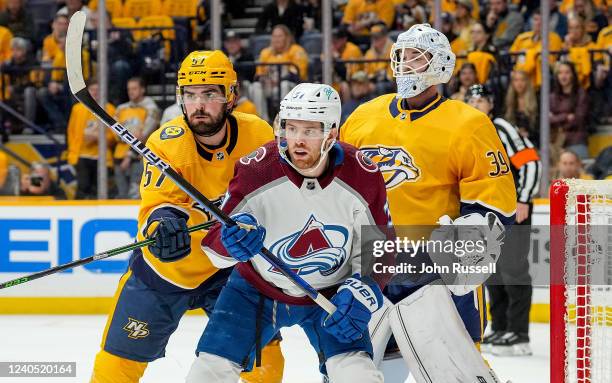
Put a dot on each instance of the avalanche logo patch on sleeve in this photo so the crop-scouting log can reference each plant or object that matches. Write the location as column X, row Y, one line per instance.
column 256, row 156
column 365, row 162
column 395, row 164
column 171, row 132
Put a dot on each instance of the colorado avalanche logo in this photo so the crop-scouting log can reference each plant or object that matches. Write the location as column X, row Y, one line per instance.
column 395, row 164
column 256, row 156
column 315, row 248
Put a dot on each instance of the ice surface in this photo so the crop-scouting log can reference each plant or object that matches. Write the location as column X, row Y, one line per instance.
column 76, row 338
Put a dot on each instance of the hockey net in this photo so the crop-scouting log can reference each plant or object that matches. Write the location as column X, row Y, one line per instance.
column 581, row 281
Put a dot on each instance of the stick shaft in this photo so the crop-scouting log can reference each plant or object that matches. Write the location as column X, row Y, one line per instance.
column 77, row 85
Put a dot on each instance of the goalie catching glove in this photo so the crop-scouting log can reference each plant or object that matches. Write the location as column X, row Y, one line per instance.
column 477, row 242
column 356, row 300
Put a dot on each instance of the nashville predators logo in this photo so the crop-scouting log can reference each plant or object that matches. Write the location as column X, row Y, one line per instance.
column 136, row 329
column 171, row 132
column 395, row 164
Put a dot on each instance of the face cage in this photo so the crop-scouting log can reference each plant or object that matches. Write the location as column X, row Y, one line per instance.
column 398, row 64
column 283, row 147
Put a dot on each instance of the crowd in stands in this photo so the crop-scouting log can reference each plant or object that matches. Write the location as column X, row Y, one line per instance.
column 497, row 43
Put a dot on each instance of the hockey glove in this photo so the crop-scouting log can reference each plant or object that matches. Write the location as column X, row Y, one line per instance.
column 241, row 242
column 355, row 302
column 172, row 240
column 470, row 265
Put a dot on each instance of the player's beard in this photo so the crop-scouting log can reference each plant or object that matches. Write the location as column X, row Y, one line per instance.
column 207, row 129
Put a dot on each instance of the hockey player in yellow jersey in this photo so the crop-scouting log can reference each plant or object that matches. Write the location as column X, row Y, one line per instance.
column 173, row 275
column 440, row 158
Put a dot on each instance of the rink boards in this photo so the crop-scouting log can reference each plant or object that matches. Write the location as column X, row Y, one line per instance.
column 36, row 235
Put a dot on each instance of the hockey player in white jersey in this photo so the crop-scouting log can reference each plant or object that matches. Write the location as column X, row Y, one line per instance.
column 315, row 203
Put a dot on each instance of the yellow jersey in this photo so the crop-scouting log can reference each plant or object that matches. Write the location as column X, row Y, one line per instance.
column 604, row 41
column 244, row 105
column 209, row 170
column 5, row 44
column 531, row 47
column 351, row 52
column 443, row 159
column 580, row 56
column 82, row 121
column 50, row 48
column 379, row 70
column 295, row 54
column 357, row 10
column 3, row 168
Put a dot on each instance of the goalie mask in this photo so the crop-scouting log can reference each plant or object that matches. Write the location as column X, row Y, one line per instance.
column 309, row 102
column 414, row 75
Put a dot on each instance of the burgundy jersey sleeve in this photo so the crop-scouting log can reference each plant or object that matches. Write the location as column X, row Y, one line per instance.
column 361, row 174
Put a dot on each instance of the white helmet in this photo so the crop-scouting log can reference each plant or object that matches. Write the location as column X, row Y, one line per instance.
column 309, row 102
column 439, row 67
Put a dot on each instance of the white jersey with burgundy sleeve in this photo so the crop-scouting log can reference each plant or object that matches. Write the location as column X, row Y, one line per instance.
column 314, row 225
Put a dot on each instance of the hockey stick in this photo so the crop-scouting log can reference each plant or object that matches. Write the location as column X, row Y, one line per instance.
column 96, row 257
column 78, row 88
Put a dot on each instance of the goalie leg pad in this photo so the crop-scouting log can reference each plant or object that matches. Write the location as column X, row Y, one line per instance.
column 213, row 368
column 433, row 340
column 380, row 330
column 356, row 366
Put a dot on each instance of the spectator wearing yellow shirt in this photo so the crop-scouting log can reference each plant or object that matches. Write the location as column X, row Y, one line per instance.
column 282, row 49
column 529, row 44
column 5, row 43
column 244, row 105
column 3, row 169
column 578, row 44
column 51, row 47
column 361, row 15
column 482, row 53
column 54, row 96
column 18, row 82
column 342, row 49
column 140, row 115
column 82, row 136
column 380, row 49
column 504, row 23
column 462, row 26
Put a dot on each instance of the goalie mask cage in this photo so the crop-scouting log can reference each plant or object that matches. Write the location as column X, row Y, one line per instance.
column 581, row 281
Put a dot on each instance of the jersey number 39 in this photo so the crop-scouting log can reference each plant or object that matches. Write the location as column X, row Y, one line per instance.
column 498, row 164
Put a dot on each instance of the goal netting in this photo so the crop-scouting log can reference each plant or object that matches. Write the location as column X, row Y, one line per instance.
column 581, row 281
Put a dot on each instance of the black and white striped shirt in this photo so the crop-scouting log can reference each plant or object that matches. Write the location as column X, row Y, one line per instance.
column 526, row 165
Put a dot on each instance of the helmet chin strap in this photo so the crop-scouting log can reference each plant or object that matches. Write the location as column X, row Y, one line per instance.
column 310, row 172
